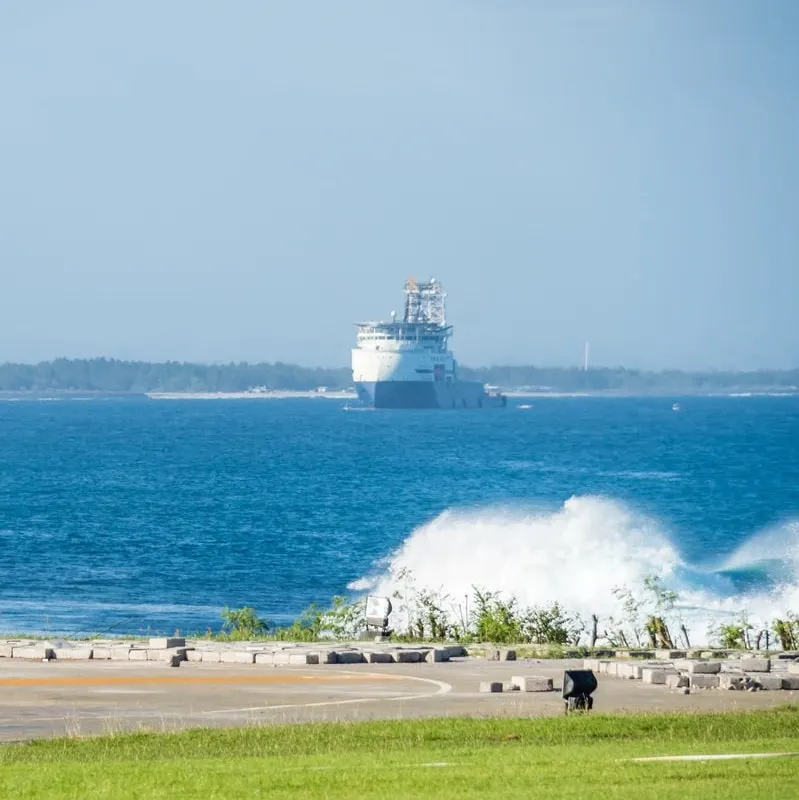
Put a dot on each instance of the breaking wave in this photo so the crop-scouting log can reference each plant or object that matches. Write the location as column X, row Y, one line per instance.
column 576, row 555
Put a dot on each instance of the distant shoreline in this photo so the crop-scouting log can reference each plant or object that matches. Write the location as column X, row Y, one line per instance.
column 277, row 394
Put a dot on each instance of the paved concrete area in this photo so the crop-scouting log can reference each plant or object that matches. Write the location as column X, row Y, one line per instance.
column 89, row 697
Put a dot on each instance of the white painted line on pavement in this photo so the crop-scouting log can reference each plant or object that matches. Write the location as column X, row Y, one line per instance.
column 716, row 757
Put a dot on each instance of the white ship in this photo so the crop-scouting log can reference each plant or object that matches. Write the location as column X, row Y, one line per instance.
column 407, row 363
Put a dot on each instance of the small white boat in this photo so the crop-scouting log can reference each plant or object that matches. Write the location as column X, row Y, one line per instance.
column 524, row 406
column 675, row 407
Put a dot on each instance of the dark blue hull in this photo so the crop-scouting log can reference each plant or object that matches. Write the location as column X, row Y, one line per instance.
column 427, row 394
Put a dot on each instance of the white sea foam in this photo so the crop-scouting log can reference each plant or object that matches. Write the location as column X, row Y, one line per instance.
column 577, row 555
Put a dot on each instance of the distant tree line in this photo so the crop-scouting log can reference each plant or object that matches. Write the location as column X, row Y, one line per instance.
column 619, row 379
column 115, row 376
column 112, row 375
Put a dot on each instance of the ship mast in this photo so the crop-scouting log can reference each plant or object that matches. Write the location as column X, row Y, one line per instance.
column 425, row 303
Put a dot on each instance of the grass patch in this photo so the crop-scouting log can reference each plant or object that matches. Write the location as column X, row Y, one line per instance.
column 563, row 757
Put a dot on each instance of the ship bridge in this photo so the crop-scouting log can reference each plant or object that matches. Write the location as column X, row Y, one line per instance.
column 423, row 326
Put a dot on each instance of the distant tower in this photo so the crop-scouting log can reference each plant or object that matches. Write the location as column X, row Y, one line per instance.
column 585, row 362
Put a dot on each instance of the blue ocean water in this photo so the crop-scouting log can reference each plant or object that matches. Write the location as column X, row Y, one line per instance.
column 136, row 515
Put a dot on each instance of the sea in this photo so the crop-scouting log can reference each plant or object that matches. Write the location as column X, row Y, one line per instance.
column 136, row 516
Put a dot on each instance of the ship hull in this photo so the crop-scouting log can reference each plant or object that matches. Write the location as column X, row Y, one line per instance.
column 427, row 394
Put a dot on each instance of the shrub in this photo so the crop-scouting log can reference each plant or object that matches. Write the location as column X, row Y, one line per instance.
column 243, row 623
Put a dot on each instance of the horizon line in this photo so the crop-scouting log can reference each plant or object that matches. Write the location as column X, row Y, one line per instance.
column 574, row 367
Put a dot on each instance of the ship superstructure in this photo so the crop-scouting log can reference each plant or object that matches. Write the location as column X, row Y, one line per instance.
column 408, row 364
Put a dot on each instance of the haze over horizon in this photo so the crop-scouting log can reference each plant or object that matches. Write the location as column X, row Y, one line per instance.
column 199, row 182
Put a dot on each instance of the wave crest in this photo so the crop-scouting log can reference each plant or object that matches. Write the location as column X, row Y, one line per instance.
column 577, row 555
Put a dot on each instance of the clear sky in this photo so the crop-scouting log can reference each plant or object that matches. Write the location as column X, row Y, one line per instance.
column 215, row 181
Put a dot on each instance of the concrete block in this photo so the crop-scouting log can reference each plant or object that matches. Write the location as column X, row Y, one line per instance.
column 676, row 681
column 350, row 657
column 625, row 671
column 194, row 655
column 641, row 653
column 407, row 656
column 490, row 687
column 754, row 664
column 699, row 667
column 174, row 660
column 120, row 653
column 455, row 651
column 101, row 653
column 532, row 683
column 731, row 681
column 297, row 659
column 436, row 655
column 137, row 654
column 793, row 667
column 704, row 680
column 656, row 675
column 6, row 649
column 790, row 682
column 33, row 651
column 507, row 655
column 328, row 657
column 238, row 657
column 73, row 653
column 265, row 659
column 167, row 655
column 166, row 642
column 378, row 657
column 770, row 683
column 211, row 656
column 592, row 664
column 611, row 667
column 670, row 655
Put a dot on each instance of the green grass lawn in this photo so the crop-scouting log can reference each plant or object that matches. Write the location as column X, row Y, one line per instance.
column 578, row 756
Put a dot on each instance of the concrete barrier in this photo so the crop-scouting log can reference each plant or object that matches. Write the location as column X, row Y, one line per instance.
column 33, row 652
column 754, row 664
column 407, row 656
column 378, row 657
column 137, row 654
column 238, row 657
column 704, row 680
column 73, row 653
column 166, row 642
column 350, row 657
column 771, row 683
column 211, row 656
column 490, row 687
column 670, row 655
column 656, row 675
column 532, row 683
column 699, row 667
column 292, row 659
column 436, row 655
column 677, row 681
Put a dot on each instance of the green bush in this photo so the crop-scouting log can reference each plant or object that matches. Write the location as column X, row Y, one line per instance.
column 241, row 624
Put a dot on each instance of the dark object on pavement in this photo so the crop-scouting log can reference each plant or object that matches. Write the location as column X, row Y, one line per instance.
column 578, row 686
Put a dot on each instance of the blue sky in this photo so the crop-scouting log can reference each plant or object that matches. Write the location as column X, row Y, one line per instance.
column 229, row 181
